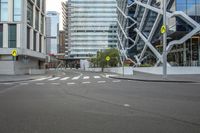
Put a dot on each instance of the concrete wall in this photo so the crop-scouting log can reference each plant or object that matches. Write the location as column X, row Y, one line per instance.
column 151, row 70
column 7, row 68
column 22, row 66
column 170, row 70
column 118, row 70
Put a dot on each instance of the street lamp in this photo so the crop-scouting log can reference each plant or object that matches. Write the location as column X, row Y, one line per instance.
column 164, row 31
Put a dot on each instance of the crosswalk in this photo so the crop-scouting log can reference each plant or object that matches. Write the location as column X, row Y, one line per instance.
column 68, row 78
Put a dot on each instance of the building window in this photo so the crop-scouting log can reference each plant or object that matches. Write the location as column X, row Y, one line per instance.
column 12, row 36
column 28, row 38
column 17, row 10
column 40, row 44
column 29, row 13
column 37, row 20
column 42, row 24
column 34, row 41
column 3, row 10
column 1, row 35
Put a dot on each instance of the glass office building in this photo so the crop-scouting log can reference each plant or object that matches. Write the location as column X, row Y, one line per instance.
column 139, row 37
column 92, row 27
column 52, row 32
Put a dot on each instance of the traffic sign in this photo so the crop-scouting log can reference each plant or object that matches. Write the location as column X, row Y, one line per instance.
column 107, row 58
column 14, row 52
column 163, row 29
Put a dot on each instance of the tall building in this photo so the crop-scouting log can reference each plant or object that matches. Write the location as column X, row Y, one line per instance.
column 52, row 32
column 64, row 6
column 22, row 26
column 140, row 39
column 92, row 27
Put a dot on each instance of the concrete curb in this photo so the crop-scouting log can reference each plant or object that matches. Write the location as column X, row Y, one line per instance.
column 29, row 79
column 153, row 80
column 10, row 81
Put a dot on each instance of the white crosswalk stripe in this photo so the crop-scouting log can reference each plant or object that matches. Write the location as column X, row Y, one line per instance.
column 66, row 78
column 86, row 77
column 71, row 83
column 55, row 83
column 54, row 78
column 75, row 78
column 101, row 81
column 40, row 79
column 97, row 77
column 86, row 82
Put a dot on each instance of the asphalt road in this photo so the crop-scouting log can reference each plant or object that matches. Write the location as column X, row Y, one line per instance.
column 85, row 102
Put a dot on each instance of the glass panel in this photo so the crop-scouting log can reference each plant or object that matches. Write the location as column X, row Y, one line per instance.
column 37, row 20
column 30, row 14
column 28, row 38
column 1, row 36
column 12, row 36
column 4, row 10
column 34, row 41
column 17, row 10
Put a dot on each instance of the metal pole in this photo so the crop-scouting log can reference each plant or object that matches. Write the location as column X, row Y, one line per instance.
column 164, row 40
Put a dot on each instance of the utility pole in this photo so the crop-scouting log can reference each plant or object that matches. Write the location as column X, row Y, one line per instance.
column 164, row 31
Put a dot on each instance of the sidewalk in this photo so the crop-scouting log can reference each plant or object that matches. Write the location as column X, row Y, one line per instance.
column 138, row 76
column 18, row 78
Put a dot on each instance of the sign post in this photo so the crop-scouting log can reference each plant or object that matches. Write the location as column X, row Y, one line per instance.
column 164, row 32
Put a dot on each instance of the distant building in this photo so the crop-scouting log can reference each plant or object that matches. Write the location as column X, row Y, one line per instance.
column 65, row 26
column 61, row 46
column 52, row 32
column 92, row 27
column 140, row 39
column 22, row 26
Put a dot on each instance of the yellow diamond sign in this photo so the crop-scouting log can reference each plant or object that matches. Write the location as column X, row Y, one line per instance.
column 14, row 52
column 163, row 29
column 107, row 58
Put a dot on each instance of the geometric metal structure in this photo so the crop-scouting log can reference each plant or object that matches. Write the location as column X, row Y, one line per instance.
column 139, row 23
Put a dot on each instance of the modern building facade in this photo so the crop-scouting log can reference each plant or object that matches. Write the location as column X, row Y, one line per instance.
column 139, row 37
column 64, row 6
column 22, row 26
column 52, row 32
column 92, row 27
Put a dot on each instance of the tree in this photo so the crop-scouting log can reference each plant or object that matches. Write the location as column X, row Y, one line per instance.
column 100, row 59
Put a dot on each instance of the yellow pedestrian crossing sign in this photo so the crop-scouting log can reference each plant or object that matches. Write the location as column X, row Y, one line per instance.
column 163, row 29
column 14, row 52
column 107, row 58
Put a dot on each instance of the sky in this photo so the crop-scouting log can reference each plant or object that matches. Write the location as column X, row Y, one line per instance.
column 54, row 5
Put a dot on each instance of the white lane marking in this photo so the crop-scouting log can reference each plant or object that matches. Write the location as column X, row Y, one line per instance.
column 23, row 83
column 108, row 75
column 7, row 83
column 101, row 81
column 55, row 83
column 116, row 81
column 86, row 77
column 126, row 105
column 40, row 79
column 71, row 83
column 66, row 78
column 39, row 83
column 75, row 78
column 86, row 82
column 54, row 78
column 97, row 77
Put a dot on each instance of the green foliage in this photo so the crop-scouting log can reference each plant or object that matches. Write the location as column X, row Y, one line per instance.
column 100, row 59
